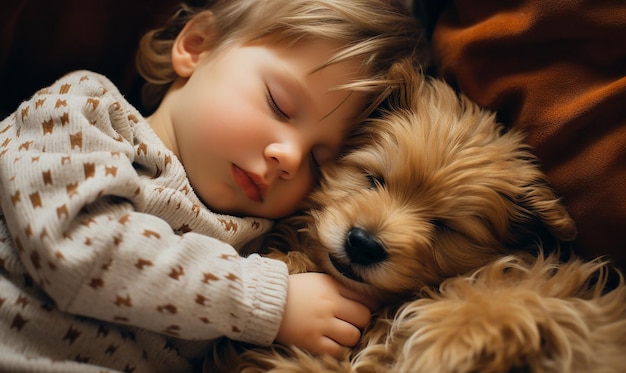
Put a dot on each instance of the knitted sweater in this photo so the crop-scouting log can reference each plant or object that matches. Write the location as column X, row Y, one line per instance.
column 106, row 254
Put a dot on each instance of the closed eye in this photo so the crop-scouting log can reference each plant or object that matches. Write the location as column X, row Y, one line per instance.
column 374, row 181
column 275, row 107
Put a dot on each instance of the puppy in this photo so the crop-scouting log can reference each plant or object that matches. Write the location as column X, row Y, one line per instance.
column 430, row 188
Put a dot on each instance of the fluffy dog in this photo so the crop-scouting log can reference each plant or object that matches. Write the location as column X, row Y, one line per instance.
column 429, row 189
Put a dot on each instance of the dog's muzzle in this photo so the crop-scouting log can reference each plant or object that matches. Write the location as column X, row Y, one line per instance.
column 363, row 248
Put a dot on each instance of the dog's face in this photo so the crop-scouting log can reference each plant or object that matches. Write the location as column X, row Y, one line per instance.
column 430, row 189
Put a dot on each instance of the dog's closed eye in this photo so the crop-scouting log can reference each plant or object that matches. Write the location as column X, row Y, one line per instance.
column 438, row 223
column 374, row 181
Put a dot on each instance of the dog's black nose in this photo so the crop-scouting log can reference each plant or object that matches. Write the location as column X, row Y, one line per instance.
column 362, row 248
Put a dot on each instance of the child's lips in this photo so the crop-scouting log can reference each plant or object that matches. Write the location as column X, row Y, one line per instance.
column 252, row 185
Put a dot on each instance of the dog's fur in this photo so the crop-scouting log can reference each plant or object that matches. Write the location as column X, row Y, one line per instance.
column 430, row 189
column 512, row 315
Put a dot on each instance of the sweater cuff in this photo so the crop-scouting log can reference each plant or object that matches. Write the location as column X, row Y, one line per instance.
column 268, row 289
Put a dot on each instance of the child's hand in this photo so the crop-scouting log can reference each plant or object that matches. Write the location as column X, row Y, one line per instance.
column 322, row 316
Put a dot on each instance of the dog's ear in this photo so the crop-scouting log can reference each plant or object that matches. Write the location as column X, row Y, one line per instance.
column 540, row 217
column 407, row 78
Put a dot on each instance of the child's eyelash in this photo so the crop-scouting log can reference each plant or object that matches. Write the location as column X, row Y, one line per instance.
column 275, row 108
column 314, row 164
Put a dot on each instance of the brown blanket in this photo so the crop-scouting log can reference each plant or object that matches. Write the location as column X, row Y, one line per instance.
column 556, row 69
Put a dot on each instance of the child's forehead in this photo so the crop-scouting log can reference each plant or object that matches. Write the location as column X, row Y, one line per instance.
column 325, row 52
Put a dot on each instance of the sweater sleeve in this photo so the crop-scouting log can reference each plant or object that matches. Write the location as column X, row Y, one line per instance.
column 72, row 198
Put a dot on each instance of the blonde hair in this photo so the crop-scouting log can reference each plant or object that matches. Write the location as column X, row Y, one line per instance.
column 379, row 32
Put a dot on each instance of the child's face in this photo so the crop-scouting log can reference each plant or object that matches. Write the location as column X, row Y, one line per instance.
column 252, row 124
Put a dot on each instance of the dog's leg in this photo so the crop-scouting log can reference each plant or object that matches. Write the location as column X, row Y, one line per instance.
column 297, row 261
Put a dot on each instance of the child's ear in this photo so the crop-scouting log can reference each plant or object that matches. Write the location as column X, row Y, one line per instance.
column 193, row 40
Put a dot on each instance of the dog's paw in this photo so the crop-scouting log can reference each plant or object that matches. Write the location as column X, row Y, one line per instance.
column 297, row 261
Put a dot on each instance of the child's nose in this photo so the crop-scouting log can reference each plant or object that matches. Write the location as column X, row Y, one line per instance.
column 285, row 157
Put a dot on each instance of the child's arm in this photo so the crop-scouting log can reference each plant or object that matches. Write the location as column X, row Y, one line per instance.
column 71, row 196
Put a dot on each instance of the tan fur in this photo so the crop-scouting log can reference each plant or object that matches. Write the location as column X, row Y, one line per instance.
column 434, row 189
column 510, row 316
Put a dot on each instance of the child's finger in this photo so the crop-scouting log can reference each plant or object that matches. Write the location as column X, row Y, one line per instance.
column 344, row 333
column 353, row 312
column 358, row 297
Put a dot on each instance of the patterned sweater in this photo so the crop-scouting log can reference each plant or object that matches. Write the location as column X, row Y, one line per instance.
column 107, row 257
